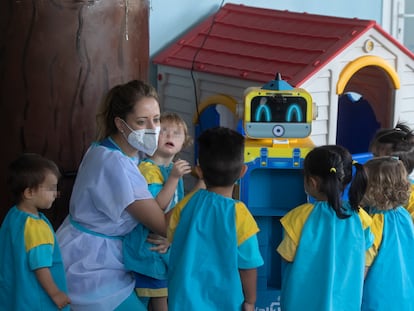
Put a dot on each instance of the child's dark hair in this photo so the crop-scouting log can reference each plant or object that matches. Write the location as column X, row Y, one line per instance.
column 407, row 158
column 388, row 183
column 29, row 171
column 397, row 141
column 389, row 140
column 220, row 156
column 332, row 165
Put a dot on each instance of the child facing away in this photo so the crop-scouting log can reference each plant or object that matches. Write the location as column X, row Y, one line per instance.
column 214, row 251
column 389, row 283
column 399, row 142
column 324, row 242
column 32, row 276
column 165, row 182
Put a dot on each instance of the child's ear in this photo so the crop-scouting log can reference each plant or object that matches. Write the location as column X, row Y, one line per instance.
column 27, row 193
column 198, row 172
column 243, row 170
column 314, row 183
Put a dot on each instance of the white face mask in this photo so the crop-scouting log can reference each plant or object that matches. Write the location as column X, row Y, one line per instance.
column 145, row 140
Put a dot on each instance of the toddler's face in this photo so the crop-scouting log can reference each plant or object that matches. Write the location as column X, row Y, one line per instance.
column 47, row 192
column 171, row 138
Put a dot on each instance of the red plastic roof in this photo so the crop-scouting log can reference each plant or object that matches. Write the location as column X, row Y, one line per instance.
column 254, row 43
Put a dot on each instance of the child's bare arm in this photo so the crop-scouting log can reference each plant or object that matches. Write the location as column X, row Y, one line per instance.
column 249, row 282
column 45, row 279
column 180, row 168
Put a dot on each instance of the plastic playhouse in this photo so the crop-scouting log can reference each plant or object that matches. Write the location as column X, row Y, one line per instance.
column 330, row 57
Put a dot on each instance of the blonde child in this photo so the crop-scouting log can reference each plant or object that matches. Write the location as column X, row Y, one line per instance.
column 32, row 276
column 389, row 283
column 165, row 182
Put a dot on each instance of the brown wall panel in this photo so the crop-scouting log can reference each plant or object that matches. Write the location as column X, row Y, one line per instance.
column 57, row 59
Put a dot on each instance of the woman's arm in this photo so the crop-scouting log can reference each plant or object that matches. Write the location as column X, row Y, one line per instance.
column 149, row 213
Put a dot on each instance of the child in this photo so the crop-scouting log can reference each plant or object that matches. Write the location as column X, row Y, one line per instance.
column 398, row 141
column 31, row 269
column 389, row 283
column 324, row 242
column 214, row 250
column 389, row 140
column 165, row 182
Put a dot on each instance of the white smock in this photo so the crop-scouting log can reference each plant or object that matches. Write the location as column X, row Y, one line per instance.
column 90, row 238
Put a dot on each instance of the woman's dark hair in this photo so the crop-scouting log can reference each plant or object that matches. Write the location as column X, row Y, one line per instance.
column 119, row 102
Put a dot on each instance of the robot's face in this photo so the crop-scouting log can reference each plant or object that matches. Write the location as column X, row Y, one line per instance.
column 274, row 114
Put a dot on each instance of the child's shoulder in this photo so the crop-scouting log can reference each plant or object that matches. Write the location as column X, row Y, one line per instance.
column 299, row 213
column 16, row 217
column 35, row 229
column 146, row 163
column 37, row 232
column 366, row 219
column 241, row 209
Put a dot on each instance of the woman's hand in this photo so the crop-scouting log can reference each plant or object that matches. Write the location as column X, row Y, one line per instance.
column 161, row 244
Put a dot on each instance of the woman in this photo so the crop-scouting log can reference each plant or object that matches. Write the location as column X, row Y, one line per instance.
column 109, row 198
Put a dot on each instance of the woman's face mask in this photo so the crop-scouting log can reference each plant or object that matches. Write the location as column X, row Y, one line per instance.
column 145, row 140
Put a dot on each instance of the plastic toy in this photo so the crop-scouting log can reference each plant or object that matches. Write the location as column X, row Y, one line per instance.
column 274, row 153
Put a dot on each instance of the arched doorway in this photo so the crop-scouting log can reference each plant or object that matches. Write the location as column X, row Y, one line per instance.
column 375, row 81
column 216, row 110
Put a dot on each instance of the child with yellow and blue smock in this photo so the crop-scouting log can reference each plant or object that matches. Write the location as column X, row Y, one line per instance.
column 32, row 276
column 389, row 282
column 165, row 182
column 214, row 252
column 397, row 141
column 324, row 243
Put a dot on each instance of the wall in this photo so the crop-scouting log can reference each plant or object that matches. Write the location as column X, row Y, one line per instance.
column 57, row 60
